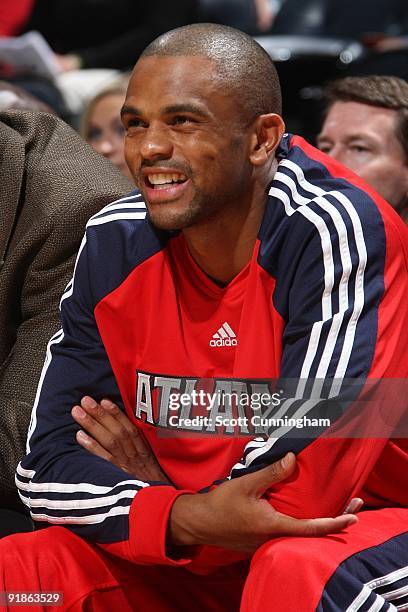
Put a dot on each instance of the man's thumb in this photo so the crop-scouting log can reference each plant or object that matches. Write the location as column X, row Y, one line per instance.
column 261, row 480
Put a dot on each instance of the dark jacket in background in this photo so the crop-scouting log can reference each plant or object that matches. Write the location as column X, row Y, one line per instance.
column 51, row 183
column 356, row 18
column 342, row 18
column 108, row 33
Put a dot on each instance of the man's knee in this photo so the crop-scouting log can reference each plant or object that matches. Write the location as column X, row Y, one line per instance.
column 38, row 548
column 284, row 572
column 53, row 559
column 291, row 552
column 47, row 552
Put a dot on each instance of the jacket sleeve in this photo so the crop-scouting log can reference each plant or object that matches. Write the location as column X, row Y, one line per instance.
column 343, row 300
column 63, row 484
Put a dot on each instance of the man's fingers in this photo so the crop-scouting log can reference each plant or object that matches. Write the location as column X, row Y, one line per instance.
column 107, row 419
column 89, row 403
column 354, row 505
column 92, row 446
column 109, row 439
column 111, row 407
column 85, row 420
column 286, row 525
column 122, row 418
column 96, row 449
column 114, row 411
column 122, row 437
column 136, row 440
column 258, row 482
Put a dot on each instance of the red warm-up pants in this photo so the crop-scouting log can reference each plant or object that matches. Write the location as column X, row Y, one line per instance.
column 364, row 567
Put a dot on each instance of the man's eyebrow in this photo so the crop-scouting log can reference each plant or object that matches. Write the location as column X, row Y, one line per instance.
column 168, row 110
column 323, row 141
column 357, row 136
column 129, row 110
column 184, row 108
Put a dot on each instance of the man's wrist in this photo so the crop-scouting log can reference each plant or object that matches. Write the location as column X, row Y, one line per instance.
column 186, row 521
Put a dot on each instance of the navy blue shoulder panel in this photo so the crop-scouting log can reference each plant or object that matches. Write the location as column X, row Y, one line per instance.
column 118, row 239
column 307, row 209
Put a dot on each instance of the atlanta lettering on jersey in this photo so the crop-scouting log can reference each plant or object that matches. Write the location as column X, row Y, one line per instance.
column 214, row 406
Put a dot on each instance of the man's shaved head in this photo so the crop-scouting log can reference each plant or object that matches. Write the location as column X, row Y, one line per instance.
column 243, row 66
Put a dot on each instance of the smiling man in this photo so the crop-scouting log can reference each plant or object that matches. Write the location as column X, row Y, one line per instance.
column 253, row 237
column 366, row 129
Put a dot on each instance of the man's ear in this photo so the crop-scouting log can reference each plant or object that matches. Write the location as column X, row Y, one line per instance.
column 267, row 133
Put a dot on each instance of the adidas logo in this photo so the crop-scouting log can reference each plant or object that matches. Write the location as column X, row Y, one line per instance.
column 224, row 336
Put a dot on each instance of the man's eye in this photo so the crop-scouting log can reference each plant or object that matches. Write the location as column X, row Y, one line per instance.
column 324, row 148
column 93, row 134
column 134, row 123
column 181, row 119
column 359, row 149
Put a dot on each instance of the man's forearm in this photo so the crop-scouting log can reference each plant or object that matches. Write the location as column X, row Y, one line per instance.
column 236, row 515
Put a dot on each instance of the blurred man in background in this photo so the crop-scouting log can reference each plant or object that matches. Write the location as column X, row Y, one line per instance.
column 366, row 129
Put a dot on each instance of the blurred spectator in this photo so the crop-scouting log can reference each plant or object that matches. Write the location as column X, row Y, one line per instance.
column 102, row 127
column 106, row 33
column 300, row 18
column 94, row 39
column 14, row 17
column 251, row 16
column 366, row 129
column 265, row 14
column 15, row 97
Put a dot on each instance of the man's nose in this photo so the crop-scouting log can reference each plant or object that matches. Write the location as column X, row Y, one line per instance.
column 104, row 147
column 156, row 143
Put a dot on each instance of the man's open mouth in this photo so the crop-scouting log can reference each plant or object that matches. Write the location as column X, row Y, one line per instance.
column 164, row 181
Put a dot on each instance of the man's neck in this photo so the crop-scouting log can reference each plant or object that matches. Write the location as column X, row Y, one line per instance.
column 222, row 247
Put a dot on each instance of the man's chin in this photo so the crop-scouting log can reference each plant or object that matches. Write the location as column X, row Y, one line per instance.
column 167, row 217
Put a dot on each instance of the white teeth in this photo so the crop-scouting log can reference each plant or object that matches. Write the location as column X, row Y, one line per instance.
column 163, row 179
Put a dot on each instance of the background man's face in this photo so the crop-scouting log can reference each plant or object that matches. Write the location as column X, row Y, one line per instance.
column 185, row 145
column 363, row 138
